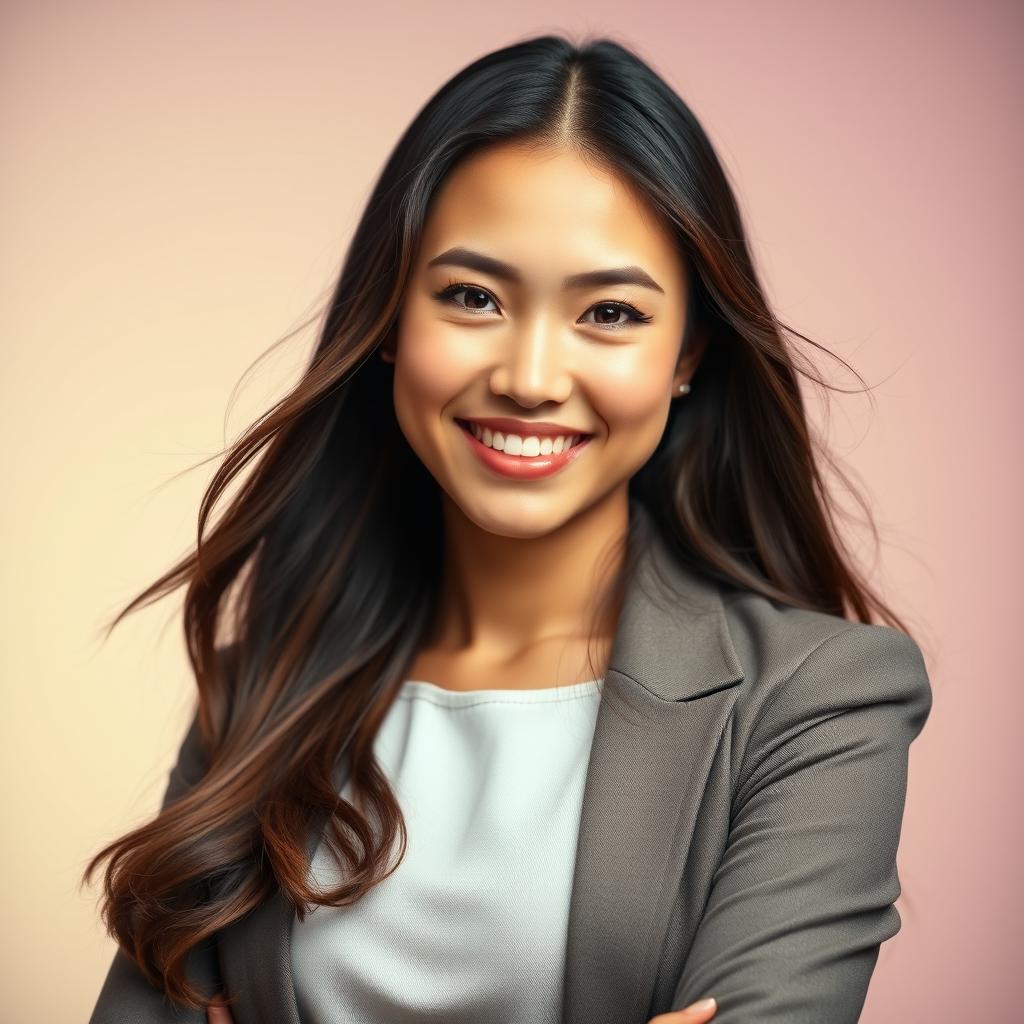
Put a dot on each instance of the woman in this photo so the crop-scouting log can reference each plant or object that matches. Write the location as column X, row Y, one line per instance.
column 538, row 562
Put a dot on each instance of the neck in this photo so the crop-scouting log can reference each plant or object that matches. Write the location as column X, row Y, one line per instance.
column 501, row 596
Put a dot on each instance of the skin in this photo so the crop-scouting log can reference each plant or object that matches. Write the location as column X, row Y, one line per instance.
column 525, row 558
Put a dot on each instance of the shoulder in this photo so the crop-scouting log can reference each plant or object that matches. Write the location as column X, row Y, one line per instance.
column 802, row 666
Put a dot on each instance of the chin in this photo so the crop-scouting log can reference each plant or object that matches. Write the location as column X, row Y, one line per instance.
column 518, row 520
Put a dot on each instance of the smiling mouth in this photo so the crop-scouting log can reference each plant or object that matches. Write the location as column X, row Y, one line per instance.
column 523, row 446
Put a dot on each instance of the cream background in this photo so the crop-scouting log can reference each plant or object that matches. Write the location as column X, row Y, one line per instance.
column 178, row 185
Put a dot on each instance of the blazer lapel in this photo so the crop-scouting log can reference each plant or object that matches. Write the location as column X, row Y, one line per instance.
column 668, row 691
column 669, row 688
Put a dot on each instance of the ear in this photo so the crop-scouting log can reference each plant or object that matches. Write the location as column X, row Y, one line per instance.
column 387, row 348
column 690, row 357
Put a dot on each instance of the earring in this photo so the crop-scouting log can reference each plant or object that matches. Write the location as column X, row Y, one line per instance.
column 684, row 389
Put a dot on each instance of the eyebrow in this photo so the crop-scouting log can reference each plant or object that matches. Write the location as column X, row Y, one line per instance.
column 471, row 260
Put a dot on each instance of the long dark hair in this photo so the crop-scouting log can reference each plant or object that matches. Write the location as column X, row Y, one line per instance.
column 312, row 592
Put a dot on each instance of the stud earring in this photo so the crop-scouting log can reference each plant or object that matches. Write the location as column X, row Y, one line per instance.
column 684, row 389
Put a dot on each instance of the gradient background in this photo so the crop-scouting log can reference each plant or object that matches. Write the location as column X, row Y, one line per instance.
column 179, row 182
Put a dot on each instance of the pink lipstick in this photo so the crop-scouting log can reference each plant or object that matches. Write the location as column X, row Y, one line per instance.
column 521, row 467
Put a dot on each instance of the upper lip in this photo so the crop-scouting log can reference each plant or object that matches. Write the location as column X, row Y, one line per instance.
column 523, row 428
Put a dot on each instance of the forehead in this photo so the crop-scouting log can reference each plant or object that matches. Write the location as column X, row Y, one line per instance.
column 548, row 211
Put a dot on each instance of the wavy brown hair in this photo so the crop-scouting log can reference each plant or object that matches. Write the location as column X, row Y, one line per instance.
column 311, row 593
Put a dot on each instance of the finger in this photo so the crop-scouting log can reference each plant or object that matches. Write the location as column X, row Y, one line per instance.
column 696, row 1013
column 218, row 1015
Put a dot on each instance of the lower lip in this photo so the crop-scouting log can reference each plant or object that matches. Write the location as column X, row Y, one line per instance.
column 522, row 467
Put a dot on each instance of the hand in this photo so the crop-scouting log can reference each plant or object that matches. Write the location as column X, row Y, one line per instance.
column 218, row 1015
column 695, row 1013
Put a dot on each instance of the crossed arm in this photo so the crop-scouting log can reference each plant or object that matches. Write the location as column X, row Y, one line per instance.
column 804, row 895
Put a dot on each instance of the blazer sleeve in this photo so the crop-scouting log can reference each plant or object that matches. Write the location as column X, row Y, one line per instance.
column 803, row 896
column 126, row 996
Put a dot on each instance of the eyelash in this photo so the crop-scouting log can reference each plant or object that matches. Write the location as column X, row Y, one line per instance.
column 635, row 315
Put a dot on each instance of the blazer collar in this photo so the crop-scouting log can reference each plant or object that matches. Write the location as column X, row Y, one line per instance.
column 667, row 694
column 672, row 637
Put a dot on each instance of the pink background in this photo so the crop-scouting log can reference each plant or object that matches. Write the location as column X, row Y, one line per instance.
column 178, row 185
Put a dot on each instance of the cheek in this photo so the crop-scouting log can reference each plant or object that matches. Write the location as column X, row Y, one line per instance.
column 632, row 394
column 431, row 369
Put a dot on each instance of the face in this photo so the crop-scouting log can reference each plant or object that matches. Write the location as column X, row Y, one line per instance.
column 530, row 386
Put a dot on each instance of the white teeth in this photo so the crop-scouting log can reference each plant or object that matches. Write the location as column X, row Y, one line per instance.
column 513, row 444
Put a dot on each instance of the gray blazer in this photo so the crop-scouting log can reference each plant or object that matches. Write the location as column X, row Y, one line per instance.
column 741, row 816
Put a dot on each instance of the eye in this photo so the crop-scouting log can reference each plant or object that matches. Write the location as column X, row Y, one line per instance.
column 614, row 309
column 474, row 293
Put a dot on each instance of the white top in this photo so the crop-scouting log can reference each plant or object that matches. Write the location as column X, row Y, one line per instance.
column 472, row 925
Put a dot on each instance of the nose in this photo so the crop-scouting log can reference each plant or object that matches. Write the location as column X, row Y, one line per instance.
column 534, row 368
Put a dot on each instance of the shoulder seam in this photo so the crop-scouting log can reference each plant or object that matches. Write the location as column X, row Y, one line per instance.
column 770, row 703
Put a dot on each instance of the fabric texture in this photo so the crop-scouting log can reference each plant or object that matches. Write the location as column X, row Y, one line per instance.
column 471, row 926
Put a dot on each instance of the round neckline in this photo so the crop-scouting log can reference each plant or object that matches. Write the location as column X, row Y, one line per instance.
column 540, row 695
